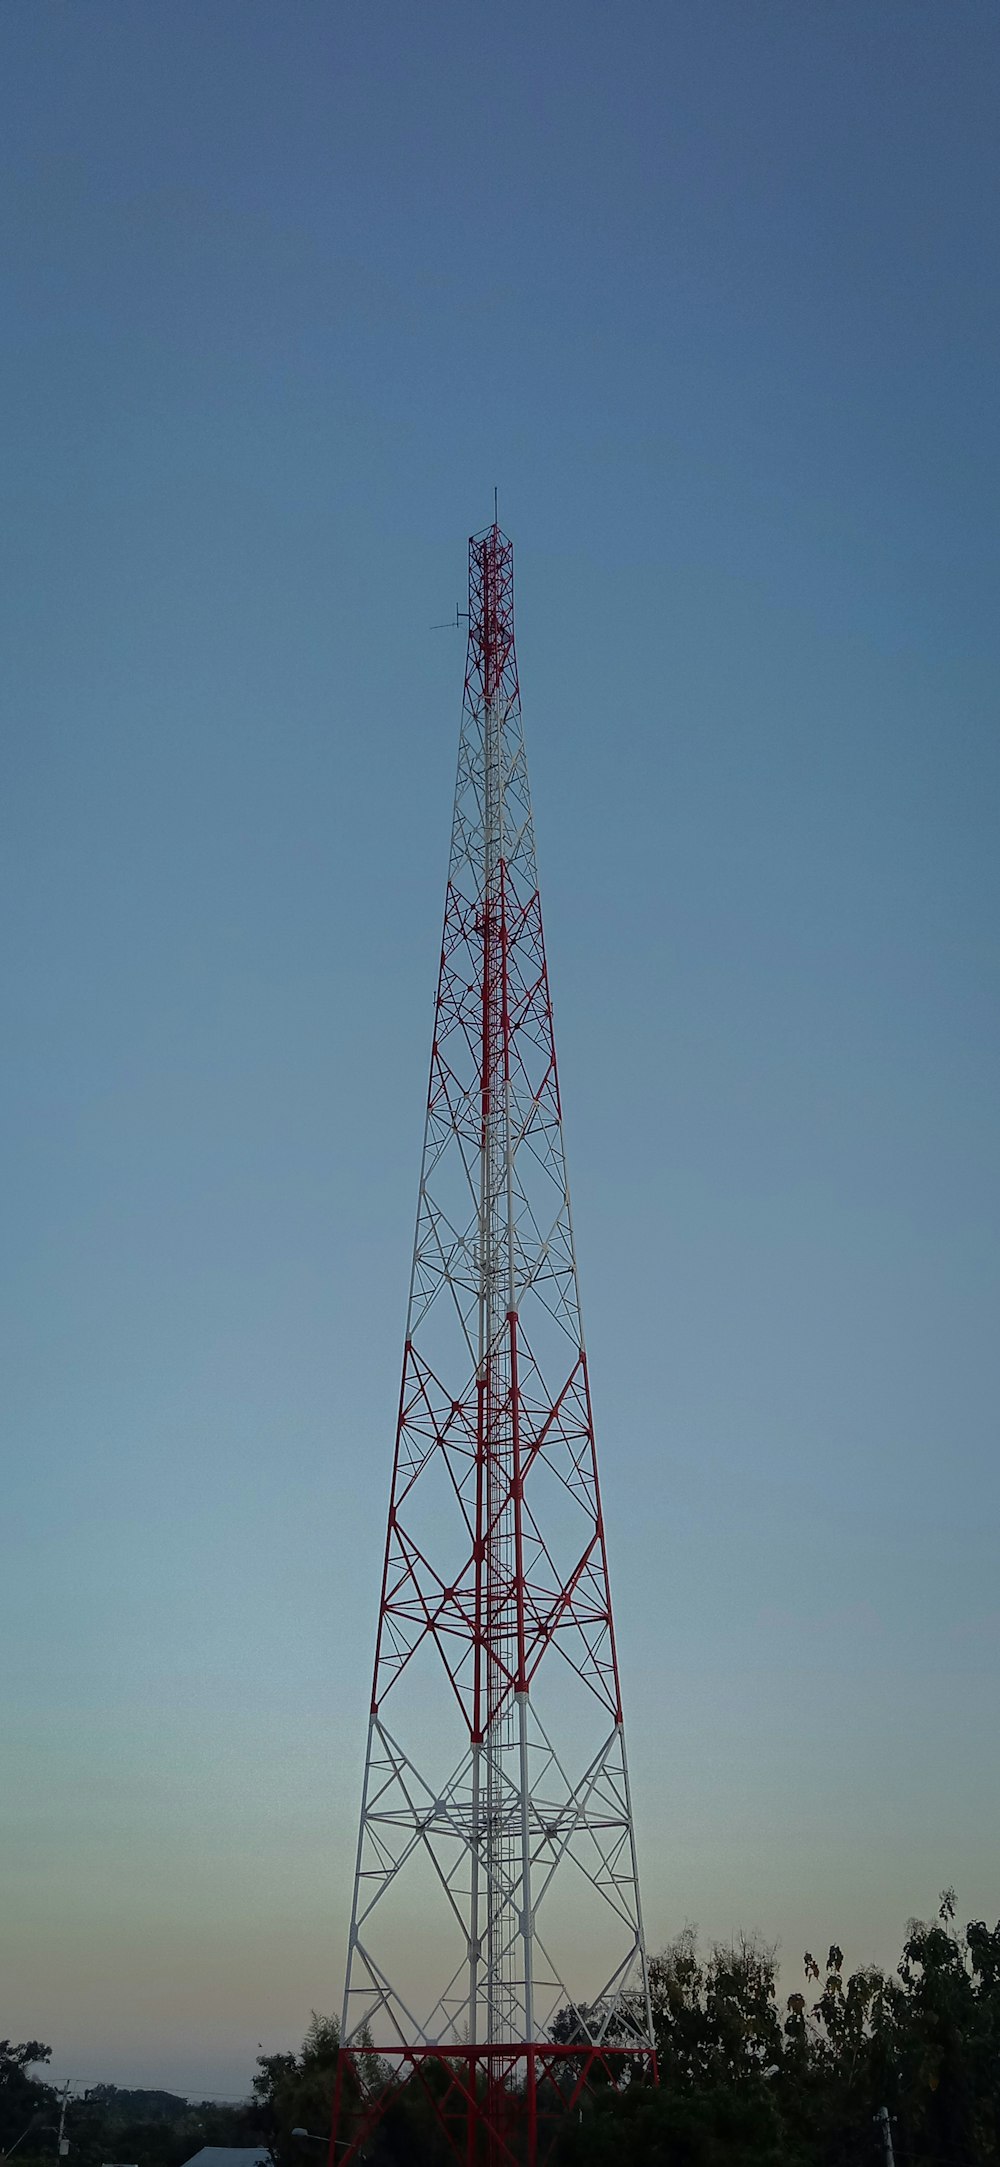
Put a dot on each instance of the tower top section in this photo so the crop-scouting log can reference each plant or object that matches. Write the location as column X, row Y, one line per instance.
column 491, row 668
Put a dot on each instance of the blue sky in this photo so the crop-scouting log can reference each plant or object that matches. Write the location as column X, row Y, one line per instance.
column 711, row 293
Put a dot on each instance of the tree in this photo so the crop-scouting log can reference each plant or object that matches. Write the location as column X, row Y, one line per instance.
column 925, row 2044
column 744, row 2084
column 719, row 2044
column 23, row 2099
column 295, row 2091
column 949, row 2049
column 716, row 2018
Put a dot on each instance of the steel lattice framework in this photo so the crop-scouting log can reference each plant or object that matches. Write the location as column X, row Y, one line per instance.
column 496, row 1807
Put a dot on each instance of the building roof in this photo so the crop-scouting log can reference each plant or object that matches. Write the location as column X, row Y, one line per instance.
column 230, row 2155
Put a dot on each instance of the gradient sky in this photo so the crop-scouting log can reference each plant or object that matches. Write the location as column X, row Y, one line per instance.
column 711, row 291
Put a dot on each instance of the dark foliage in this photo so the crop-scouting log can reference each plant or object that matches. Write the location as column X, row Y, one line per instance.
column 24, row 2099
column 150, row 2128
column 747, row 2083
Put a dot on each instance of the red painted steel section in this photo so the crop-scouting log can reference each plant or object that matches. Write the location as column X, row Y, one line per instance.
column 485, row 2103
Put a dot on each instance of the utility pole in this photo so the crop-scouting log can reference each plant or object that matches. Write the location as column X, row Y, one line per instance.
column 63, row 2139
column 883, row 2117
column 34, row 2126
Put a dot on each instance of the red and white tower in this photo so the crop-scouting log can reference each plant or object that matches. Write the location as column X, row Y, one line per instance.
column 496, row 1880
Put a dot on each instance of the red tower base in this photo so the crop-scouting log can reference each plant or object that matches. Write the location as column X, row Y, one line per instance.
column 484, row 2106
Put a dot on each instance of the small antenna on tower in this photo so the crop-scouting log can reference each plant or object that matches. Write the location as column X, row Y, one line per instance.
column 495, row 519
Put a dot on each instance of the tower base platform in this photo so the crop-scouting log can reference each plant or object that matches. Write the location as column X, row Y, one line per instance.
column 484, row 2106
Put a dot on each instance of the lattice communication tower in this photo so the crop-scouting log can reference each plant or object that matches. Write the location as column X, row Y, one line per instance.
column 496, row 1922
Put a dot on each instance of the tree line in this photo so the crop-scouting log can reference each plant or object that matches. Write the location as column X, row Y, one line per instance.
column 855, row 2066
column 107, row 2123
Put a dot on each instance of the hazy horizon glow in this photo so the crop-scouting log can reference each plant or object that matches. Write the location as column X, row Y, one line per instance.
column 712, row 295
